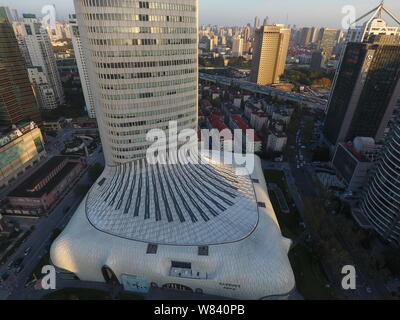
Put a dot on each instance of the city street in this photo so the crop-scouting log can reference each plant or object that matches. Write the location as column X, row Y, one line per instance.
column 13, row 287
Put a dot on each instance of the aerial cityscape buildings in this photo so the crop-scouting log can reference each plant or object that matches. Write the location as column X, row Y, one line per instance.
column 17, row 101
column 270, row 50
column 146, row 156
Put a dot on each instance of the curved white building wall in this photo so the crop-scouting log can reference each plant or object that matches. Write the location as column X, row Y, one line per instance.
column 142, row 66
column 381, row 202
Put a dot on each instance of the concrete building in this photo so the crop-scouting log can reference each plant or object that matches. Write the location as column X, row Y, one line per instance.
column 269, row 54
column 258, row 120
column 365, row 91
column 81, row 62
column 43, row 188
column 277, row 141
column 36, row 43
column 381, row 201
column 353, row 162
column 43, row 91
column 190, row 227
column 328, row 40
column 17, row 100
column 237, row 48
column 20, row 149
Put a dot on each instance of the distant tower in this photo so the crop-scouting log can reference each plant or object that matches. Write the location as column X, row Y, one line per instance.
column 17, row 100
column 381, row 201
column 256, row 23
column 270, row 52
column 36, row 43
column 81, row 62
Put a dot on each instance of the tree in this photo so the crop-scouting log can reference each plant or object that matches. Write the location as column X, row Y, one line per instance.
column 95, row 171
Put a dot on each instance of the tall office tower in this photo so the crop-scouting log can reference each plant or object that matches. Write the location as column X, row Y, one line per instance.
column 365, row 91
column 327, row 40
column 36, row 43
column 81, row 62
column 266, row 20
column 305, row 37
column 43, row 91
column 256, row 23
column 381, row 201
column 237, row 48
column 269, row 55
column 247, row 33
column 17, row 101
column 193, row 227
column 375, row 25
column 314, row 34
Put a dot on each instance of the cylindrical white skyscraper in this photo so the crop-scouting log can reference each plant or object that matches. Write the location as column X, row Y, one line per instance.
column 142, row 65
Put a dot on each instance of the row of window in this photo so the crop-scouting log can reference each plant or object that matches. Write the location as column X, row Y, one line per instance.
column 140, row 42
column 145, row 64
column 143, row 53
column 139, row 5
column 155, row 30
column 137, row 17
column 142, row 75
column 147, row 85
column 144, row 95
column 142, row 123
column 145, row 131
column 149, row 104
column 150, row 113
column 143, row 139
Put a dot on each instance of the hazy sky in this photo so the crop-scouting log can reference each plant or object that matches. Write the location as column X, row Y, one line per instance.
column 240, row 12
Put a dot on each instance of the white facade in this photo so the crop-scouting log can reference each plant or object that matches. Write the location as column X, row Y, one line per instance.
column 36, row 44
column 237, row 48
column 142, row 65
column 44, row 92
column 276, row 141
column 81, row 62
column 218, row 236
column 197, row 226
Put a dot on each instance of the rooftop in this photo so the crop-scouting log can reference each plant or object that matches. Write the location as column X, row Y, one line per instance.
column 192, row 204
column 23, row 190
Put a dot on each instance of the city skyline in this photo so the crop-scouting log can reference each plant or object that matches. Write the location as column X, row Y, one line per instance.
column 241, row 13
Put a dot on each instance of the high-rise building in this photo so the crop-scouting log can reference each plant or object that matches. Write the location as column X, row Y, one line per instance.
column 43, row 91
column 328, row 40
column 35, row 42
column 269, row 55
column 305, row 37
column 81, row 62
column 365, row 91
column 237, row 48
column 17, row 100
column 189, row 227
column 318, row 60
column 375, row 25
column 256, row 23
column 381, row 201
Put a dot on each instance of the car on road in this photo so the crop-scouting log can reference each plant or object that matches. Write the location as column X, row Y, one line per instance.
column 27, row 251
column 19, row 269
column 368, row 289
column 10, row 265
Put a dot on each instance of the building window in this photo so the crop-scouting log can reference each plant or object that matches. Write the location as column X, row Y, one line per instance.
column 203, row 251
column 152, row 249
